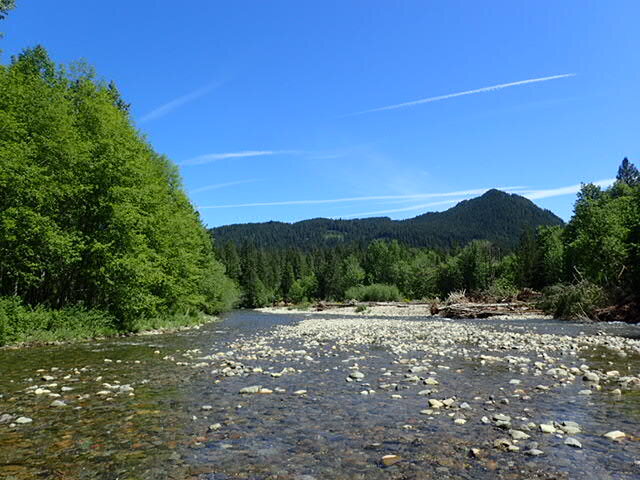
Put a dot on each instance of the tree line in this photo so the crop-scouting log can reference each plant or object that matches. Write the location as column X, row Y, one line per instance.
column 594, row 259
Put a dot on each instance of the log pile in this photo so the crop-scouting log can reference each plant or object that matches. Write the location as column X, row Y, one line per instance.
column 485, row 310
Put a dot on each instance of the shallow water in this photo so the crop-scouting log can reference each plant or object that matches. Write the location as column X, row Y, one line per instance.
column 161, row 431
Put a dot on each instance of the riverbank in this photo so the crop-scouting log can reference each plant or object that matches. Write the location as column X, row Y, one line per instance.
column 80, row 327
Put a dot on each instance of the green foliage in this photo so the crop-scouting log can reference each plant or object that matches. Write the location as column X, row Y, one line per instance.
column 5, row 7
column 89, row 214
column 599, row 237
column 501, row 289
column 302, row 289
column 361, row 308
column 573, row 301
column 628, row 173
column 20, row 323
column 374, row 293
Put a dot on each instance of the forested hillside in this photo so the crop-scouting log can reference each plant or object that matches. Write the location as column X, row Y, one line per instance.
column 589, row 267
column 96, row 232
column 498, row 217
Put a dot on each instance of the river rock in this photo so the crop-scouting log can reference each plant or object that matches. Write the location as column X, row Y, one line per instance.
column 615, row 435
column 547, row 428
column 58, row 403
column 534, row 452
column 23, row 420
column 251, row 390
column 389, row 460
column 591, row 377
column 433, row 403
column 572, row 442
column 5, row 418
column 518, row 435
column 356, row 375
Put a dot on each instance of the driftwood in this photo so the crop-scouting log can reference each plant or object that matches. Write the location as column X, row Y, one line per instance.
column 455, row 310
column 485, row 310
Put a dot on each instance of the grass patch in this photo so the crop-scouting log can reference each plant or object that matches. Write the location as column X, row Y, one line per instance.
column 20, row 323
column 361, row 308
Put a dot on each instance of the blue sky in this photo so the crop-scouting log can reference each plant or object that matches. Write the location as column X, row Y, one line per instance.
column 274, row 110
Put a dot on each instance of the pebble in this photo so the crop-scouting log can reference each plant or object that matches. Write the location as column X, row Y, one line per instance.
column 23, row 420
column 58, row 403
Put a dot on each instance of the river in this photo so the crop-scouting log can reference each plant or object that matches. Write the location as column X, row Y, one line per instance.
column 339, row 400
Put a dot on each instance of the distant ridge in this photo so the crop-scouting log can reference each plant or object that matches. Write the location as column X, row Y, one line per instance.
column 495, row 216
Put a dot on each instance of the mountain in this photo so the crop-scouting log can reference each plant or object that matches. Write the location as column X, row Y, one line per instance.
column 496, row 216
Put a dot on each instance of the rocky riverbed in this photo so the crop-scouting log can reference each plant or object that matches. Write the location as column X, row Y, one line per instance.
column 392, row 394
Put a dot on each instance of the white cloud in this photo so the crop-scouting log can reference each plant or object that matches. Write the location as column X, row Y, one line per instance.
column 460, row 94
column 168, row 107
column 216, row 186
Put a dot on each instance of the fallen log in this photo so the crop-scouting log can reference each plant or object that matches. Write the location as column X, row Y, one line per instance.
column 485, row 310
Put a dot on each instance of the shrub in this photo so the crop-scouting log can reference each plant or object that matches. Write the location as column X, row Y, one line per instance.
column 361, row 308
column 501, row 289
column 457, row 296
column 20, row 323
column 374, row 293
column 573, row 301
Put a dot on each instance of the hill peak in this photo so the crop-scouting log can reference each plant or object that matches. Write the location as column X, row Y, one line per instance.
column 496, row 216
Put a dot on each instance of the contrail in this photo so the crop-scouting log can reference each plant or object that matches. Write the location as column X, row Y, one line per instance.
column 460, row 94
column 404, row 209
column 477, row 191
column 168, row 107
column 556, row 192
column 216, row 186
column 213, row 157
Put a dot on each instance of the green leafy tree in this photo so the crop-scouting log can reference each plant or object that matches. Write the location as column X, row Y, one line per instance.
column 352, row 274
column 89, row 213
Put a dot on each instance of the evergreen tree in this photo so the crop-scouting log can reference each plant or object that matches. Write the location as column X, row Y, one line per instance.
column 628, row 173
